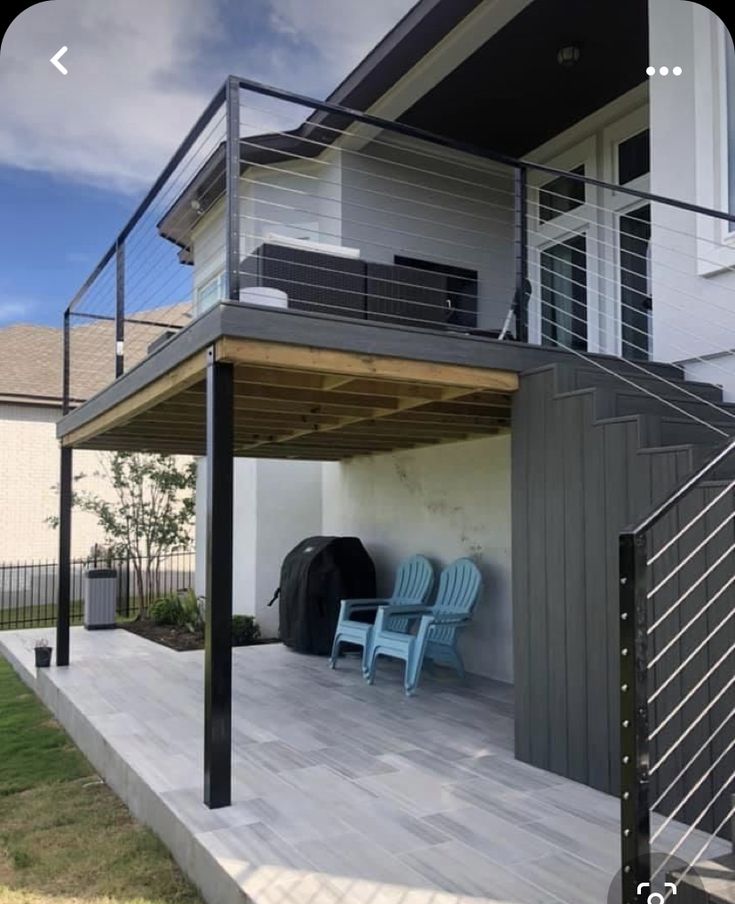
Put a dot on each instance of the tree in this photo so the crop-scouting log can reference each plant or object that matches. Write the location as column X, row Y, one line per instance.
column 149, row 514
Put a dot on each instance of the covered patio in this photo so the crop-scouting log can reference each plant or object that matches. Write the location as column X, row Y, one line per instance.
column 341, row 792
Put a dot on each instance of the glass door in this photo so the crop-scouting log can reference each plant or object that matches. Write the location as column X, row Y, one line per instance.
column 564, row 293
column 635, row 282
column 562, row 243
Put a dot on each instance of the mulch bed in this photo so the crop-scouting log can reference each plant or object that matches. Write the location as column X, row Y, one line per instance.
column 174, row 638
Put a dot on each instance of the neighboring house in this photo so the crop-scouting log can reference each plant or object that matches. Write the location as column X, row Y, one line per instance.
column 30, row 406
column 396, row 260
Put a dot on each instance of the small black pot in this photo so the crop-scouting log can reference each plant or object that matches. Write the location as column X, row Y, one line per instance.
column 43, row 657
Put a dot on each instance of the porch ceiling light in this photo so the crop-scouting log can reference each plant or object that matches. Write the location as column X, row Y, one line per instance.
column 568, row 56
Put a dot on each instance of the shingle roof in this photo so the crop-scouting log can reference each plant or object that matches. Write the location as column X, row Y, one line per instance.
column 31, row 355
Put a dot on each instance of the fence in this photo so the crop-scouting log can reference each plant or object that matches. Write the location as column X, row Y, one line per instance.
column 28, row 590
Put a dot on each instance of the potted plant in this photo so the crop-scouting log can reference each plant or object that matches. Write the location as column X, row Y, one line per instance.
column 43, row 654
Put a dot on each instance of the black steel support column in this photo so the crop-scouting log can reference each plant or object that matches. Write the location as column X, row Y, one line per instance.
column 218, row 632
column 119, row 308
column 635, row 817
column 521, row 248
column 63, row 600
column 63, row 593
column 232, row 187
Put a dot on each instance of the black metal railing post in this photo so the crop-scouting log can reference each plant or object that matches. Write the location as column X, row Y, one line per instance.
column 232, row 188
column 634, row 747
column 63, row 603
column 119, row 307
column 218, row 620
column 521, row 252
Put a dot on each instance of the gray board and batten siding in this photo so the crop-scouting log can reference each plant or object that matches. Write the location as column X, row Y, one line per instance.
column 590, row 456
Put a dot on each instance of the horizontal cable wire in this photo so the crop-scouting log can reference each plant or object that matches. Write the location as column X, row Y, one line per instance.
column 687, row 593
column 689, row 831
column 507, row 169
column 698, row 649
column 627, row 380
column 340, row 219
column 674, row 782
column 687, row 731
column 710, row 505
column 692, row 691
column 670, row 818
column 683, row 562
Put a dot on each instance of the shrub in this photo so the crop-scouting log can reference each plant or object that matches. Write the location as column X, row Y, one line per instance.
column 166, row 611
column 191, row 612
column 245, row 630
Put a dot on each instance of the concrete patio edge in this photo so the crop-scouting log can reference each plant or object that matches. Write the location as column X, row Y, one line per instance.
column 146, row 805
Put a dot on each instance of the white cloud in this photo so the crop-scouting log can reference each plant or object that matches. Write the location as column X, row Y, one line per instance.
column 12, row 311
column 117, row 114
column 341, row 34
column 141, row 71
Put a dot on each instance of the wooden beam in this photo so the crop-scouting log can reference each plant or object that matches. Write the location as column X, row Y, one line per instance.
column 164, row 387
column 298, row 357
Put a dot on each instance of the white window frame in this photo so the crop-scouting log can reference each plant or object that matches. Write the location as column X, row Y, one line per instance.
column 715, row 238
column 218, row 281
column 616, row 205
column 580, row 221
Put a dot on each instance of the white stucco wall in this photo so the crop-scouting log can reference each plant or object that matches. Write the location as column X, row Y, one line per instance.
column 444, row 502
column 276, row 504
column 693, row 291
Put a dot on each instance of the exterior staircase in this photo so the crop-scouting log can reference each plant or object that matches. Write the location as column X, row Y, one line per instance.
column 594, row 450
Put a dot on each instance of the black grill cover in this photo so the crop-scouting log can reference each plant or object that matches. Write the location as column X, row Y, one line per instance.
column 315, row 576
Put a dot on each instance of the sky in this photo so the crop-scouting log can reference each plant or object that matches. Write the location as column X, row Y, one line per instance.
column 78, row 152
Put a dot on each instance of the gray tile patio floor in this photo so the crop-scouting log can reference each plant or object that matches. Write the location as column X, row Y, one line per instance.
column 342, row 792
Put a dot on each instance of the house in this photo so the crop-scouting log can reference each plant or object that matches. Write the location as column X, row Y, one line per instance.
column 478, row 302
column 30, row 406
column 31, row 399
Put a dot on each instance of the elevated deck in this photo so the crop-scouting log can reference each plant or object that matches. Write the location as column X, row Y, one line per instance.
column 310, row 387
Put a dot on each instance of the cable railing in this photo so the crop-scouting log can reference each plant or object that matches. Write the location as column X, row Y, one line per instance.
column 677, row 684
column 278, row 200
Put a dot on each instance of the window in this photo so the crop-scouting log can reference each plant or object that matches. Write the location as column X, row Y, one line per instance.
column 210, row 292
column 634, row 157
column 560, row 196
column 730, row 74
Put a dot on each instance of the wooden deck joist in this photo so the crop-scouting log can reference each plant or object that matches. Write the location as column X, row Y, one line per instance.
column 302, row 402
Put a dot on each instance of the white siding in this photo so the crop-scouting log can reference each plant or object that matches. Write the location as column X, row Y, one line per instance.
column 693, row 300
column 403, row 199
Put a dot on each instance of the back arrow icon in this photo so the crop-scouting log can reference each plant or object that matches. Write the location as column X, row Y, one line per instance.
column 55, row 60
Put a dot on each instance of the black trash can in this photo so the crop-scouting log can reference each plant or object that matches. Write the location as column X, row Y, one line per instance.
column 315, row 576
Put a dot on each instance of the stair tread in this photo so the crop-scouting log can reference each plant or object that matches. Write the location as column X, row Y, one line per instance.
column 718, row 879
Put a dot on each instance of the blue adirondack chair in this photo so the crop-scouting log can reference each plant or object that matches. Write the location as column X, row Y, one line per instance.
column 438, row 625
column 414, row 583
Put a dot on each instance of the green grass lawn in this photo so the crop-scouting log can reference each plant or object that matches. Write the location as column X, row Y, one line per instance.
column 38, row 616
column 64, row 834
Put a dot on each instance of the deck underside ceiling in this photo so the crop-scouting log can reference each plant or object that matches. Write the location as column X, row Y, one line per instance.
column 308, row 403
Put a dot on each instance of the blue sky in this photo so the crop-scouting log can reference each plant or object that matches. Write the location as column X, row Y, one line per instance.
column 77, row 152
